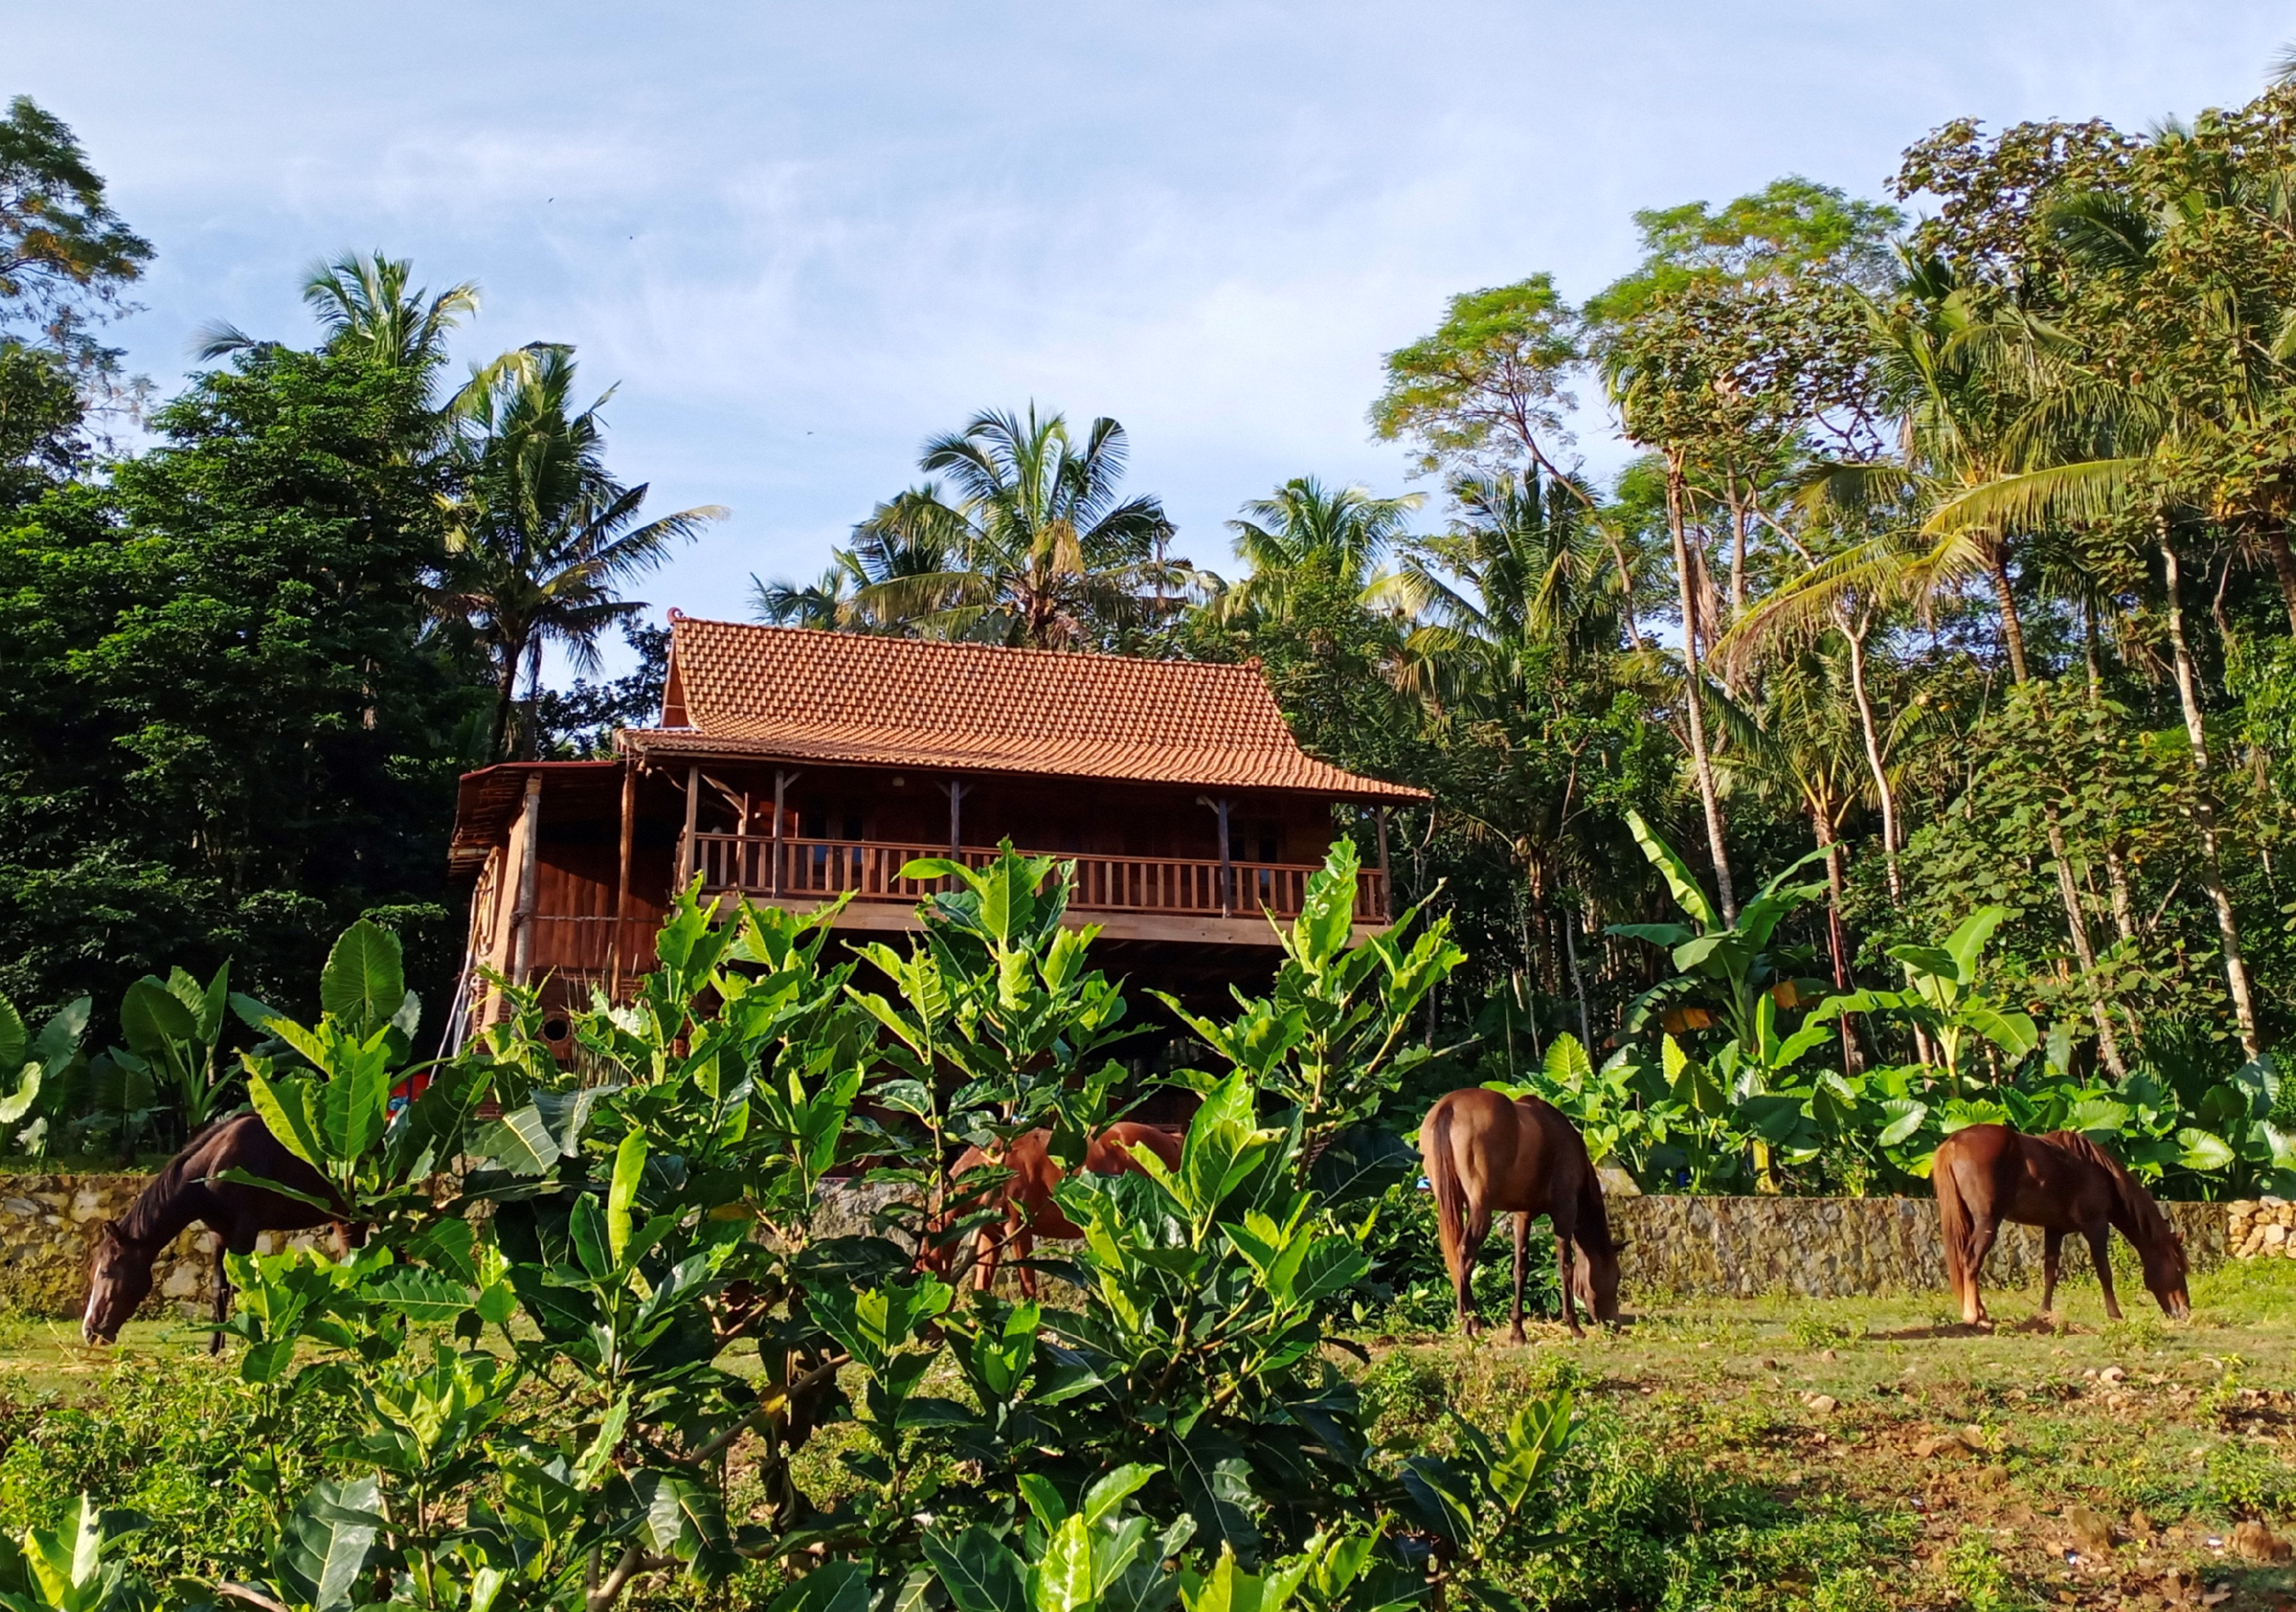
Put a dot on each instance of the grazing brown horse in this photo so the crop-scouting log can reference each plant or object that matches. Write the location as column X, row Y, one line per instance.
column 1986, row 1175
column 1485, row 1155
column 121, row 1271
column 1026, row 1195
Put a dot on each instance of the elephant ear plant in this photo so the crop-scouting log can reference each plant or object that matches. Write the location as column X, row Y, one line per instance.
column 600, row 1369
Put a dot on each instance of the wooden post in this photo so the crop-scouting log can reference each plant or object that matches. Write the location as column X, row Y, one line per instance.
column 956, row 791
column 1227, row 868
column 685, row 847
column 782, row 782
column 529, row 879
column 622, row 878
column 1386, row 895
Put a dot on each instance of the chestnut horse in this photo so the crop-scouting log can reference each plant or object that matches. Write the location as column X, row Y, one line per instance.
column 1986, row 1175
column 1026, row 1195
column 1485, row 1155
column 183, row 1192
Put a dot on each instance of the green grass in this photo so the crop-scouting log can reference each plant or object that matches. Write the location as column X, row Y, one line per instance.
column 1706, row 1472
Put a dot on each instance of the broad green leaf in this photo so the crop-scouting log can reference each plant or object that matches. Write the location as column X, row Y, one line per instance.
column 1061, row 1580
column 328, row 1541
column 285, row 1109
column 14, row 1042
column 1689, row 894
column 1567, row 1063
column 150, row 1017
column 1113, row 1490
column 2203, row 1152
column 629, row 1170
column 1963, row 945
column 520, row 1142
column 365, row 981
column 979, row 1573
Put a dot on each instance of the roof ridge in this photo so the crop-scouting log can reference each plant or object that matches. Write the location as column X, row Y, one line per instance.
column 1106, row 657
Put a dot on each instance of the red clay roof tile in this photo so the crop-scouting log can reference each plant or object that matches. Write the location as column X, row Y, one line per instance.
column 739, row 689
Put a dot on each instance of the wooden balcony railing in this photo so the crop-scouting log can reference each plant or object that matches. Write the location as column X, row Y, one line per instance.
column 871, row 870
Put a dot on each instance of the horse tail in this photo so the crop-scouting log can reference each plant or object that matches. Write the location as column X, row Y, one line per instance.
column 1443, row 1178
column 1952, row 1215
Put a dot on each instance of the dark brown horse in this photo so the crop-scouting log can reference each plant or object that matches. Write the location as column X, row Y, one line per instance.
column 1986, row 1175
column 1485, row 1155
column 183, row 1192
column 1025, row 1197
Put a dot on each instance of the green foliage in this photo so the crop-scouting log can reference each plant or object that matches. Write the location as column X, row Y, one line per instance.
column 541, row 1405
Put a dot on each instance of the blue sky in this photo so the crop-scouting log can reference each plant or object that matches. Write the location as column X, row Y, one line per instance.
column 803, row 238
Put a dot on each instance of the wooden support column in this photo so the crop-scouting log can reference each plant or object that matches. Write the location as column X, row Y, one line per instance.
column 685, row 857
column 782, row 779
column 957, row 791
column 1227, row 869
column 1386, row 890
column 528, row 880
column 622, row 873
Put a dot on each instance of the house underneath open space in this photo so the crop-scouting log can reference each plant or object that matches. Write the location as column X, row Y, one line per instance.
column 792, row 767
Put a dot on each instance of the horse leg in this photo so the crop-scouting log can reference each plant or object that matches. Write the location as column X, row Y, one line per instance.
column 1462, row 1279
column 1024, row 1246
column 1981, row 1244
column 1522, row 1256
column 225, row 1245
column 1566, row 1277
column 2100, row 1249
column 2053, row 1244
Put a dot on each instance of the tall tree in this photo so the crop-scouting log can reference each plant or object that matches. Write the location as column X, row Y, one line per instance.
column 65, row 255
column 1305, row 530
column 543, row 537
column 227, row 733
column 1041, row 549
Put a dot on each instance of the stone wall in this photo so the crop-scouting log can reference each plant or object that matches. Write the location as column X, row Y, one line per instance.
column 48, row 1228
column 1813, row 1248
column 2261, row 1228
column 1834, row 1247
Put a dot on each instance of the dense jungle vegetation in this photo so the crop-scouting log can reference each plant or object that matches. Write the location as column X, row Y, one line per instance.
column 1949, row 601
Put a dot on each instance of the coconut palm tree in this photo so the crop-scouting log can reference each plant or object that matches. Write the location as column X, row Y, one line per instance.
column 1305, row 530
column 542, row 537
column 366, row 305
column 1028, row 545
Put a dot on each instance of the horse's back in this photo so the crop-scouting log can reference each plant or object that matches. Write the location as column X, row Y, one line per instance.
column 244, row 1142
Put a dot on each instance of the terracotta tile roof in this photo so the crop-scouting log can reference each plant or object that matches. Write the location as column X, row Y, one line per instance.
column 844, row 697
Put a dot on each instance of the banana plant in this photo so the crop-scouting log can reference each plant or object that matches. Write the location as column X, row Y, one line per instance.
column 174, row 1030
column 40, row 1066
column 1733, row 966
column 1941, row 997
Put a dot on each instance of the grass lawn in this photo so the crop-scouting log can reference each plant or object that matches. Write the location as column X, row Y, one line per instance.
column 1834, row 1454
column 1919, row 1462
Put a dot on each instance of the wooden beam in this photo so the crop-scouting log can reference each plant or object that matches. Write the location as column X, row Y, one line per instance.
column 1386, row 894
column 957, row 791
column 686, row 842
column 622, row 879
column 782, row 779
column 528, row 880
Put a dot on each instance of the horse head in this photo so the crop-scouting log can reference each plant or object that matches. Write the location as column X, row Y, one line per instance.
column 1594, row 1281
column 2163, row 1259
column 119, row 1279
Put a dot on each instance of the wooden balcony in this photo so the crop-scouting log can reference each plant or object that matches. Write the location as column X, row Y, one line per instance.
column 1132, row 898
column 820, row 870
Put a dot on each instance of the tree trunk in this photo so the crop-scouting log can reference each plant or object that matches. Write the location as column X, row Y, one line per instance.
column 2284, row 566
column 2204, row 805
column 505, row 697
column 2012, row 639
column 1700, row 762
column 2012, row 626
column 1869, row 731
column 1837, row 942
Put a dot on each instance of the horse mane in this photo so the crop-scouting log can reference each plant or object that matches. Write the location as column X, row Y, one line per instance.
column 2136, row 1205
